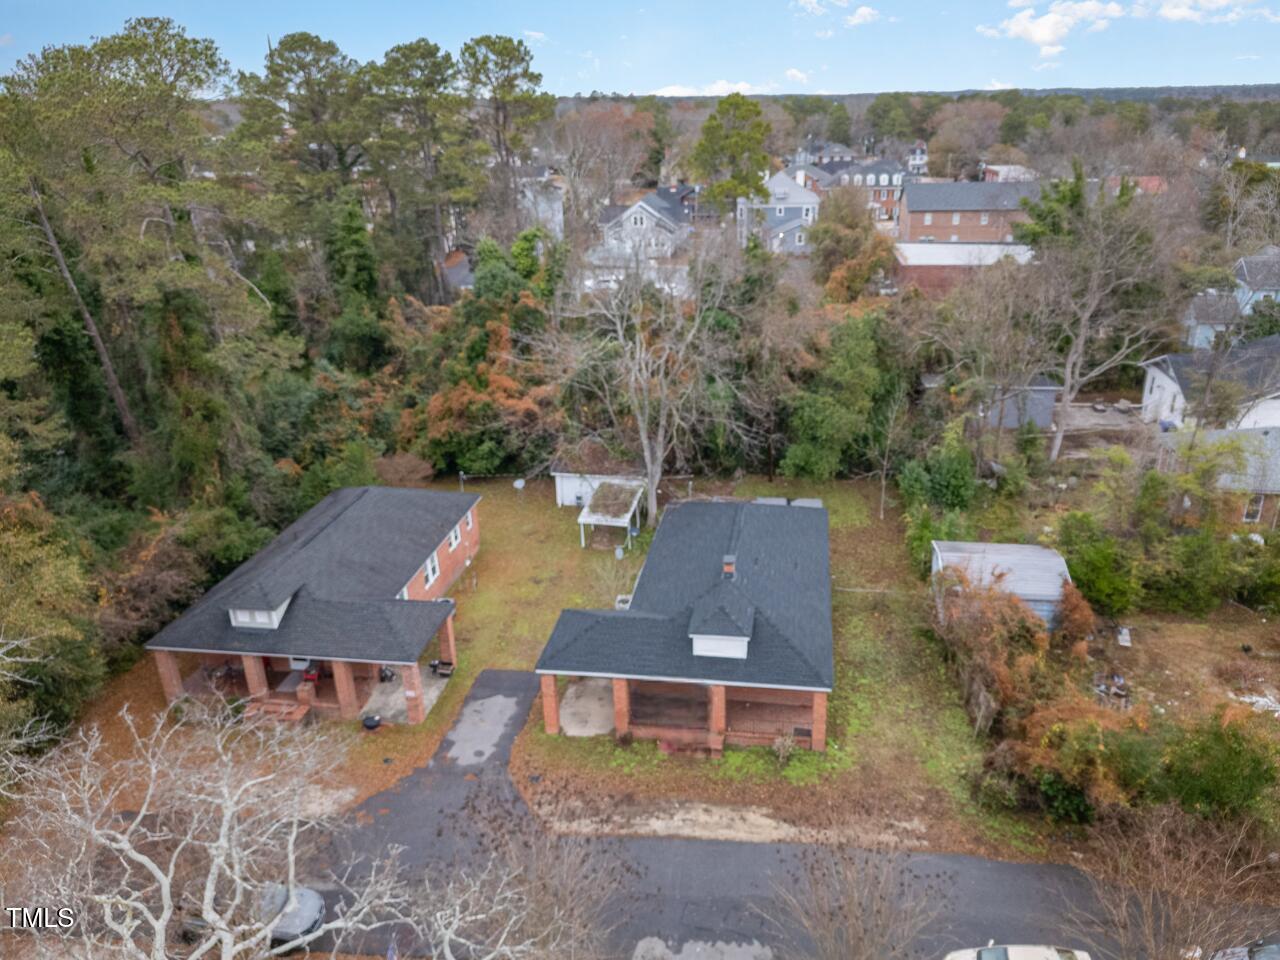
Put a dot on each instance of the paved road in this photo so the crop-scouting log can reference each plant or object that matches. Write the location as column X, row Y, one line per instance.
column 684, row 890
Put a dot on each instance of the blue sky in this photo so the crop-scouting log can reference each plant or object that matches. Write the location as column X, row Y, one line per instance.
column 773, row 46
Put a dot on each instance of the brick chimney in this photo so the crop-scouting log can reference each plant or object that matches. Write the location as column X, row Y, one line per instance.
column 730, row 566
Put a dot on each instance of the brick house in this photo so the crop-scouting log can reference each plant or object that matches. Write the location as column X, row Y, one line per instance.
column 963, row 212
column 727, row 637
column 309, row 623
column 1258, row 483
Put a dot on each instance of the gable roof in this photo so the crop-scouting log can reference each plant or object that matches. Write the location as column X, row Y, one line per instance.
column 781, row 593
column 1261, row 448
column 968, row 196
column 1211, row 308
column 783, row 190
column 1260, row 271
column 1026, row 570
column 339, row 566
column 1254, row 364
column 665, row 202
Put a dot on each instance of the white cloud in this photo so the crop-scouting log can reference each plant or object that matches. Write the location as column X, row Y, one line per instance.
column 812, row 7
column 824, row 34
column 537, row 36
column 1047, row 30
column 1248, row 56
column 994, row 84
column 717, row 88
column 6, row 39
column 862, row 15
column 798, row 76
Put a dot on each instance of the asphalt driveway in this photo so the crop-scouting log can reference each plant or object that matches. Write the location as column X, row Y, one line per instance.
column 683, row 890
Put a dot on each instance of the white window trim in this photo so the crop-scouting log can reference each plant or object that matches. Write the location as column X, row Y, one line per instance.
column 469, row 521
column 430, row 576
column 780, row 211
column 928, row 219
column 799, row 238
column 1253, row 508
column 986, row 219
column 955, row 219
column 455, row 537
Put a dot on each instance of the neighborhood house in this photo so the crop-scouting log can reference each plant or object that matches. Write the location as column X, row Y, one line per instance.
column 1252, row 368
column 783, row 220
column 727, row 637
column 963, row 212
column 344, row 598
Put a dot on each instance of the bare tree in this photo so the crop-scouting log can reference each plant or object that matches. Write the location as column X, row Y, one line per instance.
column 1166, row 885
column 656, row 362
column 177, row 845
column 997, row 331
column 848, row 904
column 889, row 430
column 599, row 148
column 1106, row 273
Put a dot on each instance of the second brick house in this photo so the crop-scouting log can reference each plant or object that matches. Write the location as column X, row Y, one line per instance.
column 347, row 597
column 963, row 212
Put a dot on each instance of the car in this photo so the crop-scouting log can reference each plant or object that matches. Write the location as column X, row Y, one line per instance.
column 302, row 919
column 1264, row 948
column 993, row 952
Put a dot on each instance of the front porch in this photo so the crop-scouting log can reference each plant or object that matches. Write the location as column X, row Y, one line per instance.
column 291, row 688
column 705, row 716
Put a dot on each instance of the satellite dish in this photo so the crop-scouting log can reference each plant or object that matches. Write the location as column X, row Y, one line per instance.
column 519, row 484
column 617, row 553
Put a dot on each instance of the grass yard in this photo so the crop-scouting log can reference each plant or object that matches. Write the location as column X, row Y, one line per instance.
column 900, row 744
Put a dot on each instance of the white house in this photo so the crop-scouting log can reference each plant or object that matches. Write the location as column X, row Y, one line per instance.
column 1258, row 277
column 1253, row 367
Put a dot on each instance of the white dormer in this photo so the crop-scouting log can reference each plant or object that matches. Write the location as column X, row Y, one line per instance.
column 720, row 625
column 258, row 619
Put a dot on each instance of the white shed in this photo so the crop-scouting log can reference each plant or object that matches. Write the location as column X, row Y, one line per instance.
column 579, row 470
column 1035, row 575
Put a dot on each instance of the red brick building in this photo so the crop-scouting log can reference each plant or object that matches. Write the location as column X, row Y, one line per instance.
column 935, row 268
column 963, row 212
column 347, row 596
column 727, row 638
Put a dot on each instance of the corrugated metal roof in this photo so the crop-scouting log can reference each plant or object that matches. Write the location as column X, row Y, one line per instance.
column 1030, row 572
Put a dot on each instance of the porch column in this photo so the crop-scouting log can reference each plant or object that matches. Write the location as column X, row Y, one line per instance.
column 716, row 722
column 170, row 675
column 255, row 675
column 345, row 682
column 550, row 705
column 621, row 706
column 819, row 725
column 415, row 700
column 449, row 643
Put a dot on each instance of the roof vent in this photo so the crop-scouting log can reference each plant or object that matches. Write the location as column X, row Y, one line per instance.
column 730, row 566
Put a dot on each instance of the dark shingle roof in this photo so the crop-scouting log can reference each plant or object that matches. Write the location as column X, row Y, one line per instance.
column 781, row 592
column 340, row 565
column 933, row 197
column 1254, row 365
column 1261, row 271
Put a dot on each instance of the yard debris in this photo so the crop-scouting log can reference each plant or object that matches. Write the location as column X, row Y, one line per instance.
column 1124, row 637
column 1260, row 702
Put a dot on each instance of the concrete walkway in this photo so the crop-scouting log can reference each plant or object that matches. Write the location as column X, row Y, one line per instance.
column 700, row 898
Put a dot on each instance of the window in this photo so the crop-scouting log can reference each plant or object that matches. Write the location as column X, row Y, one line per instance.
column 884, row 179
column 897, row 179
column 857, row 179
column 1008, row 238
column 469, row 521
column 1253, row 509
column 781, row 211
column 637, row 220
column 955, row 219
column 800, row 238
column 985, row 218
column 808, row 212
column 433, row 569
column 261, row 616
column 455, row 537
column 928, row 219
column 955, row 238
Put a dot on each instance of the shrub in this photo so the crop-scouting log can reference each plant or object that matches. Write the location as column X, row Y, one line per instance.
column 784, row 747
column 1218, row 767
column 1062, row 800
column 913, row 482
column 1100, row 565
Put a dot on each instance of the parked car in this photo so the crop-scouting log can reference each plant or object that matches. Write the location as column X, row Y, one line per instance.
column 305, row 917
column 1264, row 948
column 993, row 952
